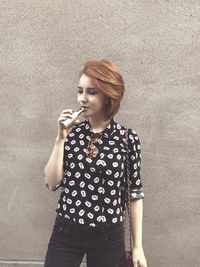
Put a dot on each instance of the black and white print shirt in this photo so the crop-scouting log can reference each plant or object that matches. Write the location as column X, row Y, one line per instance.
column 91, row 193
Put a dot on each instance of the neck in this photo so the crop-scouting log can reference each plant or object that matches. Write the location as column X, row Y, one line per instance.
column 98, row 124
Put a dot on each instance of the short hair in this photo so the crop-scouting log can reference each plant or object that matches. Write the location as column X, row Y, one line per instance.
column 106, row 77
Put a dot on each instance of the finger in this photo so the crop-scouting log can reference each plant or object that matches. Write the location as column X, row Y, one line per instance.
column 77, row 122
column 64, row 117
column 67, row 111
column 143, row 264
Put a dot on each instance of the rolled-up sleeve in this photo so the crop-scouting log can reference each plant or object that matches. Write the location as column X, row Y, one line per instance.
column 51, row 188
column 54, row 188
column 136, row 185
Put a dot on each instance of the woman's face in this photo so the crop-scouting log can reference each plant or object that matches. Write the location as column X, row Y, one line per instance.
column 90, row 97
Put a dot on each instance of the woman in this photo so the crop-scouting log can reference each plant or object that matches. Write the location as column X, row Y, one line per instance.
column 88, row 162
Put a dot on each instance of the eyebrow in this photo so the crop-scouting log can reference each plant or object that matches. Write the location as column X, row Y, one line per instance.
column 79, row 87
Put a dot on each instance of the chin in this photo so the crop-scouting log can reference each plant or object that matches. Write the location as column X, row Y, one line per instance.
column 88, row 113
column 85, row 115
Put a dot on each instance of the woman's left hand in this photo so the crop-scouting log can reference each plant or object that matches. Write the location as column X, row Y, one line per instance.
column 138, row 257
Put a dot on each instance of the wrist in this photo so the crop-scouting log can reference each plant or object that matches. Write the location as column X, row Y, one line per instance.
column 138, row 246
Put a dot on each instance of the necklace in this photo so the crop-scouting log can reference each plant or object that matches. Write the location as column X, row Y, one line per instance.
column 92, row 150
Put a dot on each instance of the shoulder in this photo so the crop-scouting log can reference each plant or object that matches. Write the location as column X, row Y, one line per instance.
column 132, row 134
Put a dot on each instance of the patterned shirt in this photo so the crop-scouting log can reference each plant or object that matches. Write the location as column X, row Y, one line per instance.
column 91, row 187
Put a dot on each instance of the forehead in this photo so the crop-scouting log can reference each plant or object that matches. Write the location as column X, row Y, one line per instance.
column 85, row 81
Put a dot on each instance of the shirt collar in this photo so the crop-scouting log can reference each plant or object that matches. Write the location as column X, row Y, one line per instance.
column 110, row 128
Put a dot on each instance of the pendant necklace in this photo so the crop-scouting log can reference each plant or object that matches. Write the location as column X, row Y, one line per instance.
column 92, row 150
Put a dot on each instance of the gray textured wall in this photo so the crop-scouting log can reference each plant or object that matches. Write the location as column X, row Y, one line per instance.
column 156, row 45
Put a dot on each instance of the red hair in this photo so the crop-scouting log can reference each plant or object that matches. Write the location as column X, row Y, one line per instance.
column 106, row 77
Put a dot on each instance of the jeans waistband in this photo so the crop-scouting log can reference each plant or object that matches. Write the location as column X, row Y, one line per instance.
column 102, row 226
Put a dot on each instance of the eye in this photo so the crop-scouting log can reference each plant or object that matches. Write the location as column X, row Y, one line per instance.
column 80, row 92
column 93, row 93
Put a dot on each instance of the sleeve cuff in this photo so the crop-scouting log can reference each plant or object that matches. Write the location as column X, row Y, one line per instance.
column 54, row 188
column 137, row 193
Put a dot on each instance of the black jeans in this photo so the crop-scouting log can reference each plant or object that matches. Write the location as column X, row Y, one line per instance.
column 69, row 242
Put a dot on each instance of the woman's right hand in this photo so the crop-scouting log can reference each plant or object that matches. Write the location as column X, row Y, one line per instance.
column 63, row 132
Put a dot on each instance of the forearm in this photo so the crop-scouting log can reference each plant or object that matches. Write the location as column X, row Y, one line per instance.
column 53, row 170
column 136, row 221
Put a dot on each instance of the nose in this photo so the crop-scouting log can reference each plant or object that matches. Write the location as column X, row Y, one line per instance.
column 84, row 97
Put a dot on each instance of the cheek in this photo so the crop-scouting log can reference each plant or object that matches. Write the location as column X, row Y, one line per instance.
column 101, row 100
column 99, row 104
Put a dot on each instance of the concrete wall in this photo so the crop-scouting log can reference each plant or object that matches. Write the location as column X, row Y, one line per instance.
column 156, row 45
